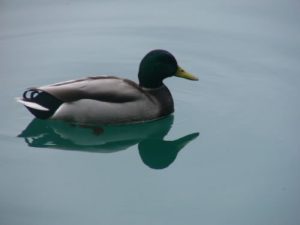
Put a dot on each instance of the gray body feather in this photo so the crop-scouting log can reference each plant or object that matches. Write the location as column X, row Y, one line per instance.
column 107, row 99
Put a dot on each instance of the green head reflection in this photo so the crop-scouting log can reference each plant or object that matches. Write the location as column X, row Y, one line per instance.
column 159, row 154
column 154, row 151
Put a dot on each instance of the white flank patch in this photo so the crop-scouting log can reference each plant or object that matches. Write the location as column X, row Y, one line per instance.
column 32, row 105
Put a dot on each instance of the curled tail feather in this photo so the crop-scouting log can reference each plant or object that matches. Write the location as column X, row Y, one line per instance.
column 41, row 104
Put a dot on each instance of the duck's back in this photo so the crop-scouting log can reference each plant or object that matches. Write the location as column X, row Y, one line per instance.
column 103, row 88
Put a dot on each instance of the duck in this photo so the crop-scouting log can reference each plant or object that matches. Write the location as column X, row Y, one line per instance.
column 109, row 99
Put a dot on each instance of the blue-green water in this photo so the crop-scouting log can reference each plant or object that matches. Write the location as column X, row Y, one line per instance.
column 230, row 153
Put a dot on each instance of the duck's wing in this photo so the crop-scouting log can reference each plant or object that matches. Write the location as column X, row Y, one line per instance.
column 102, row 88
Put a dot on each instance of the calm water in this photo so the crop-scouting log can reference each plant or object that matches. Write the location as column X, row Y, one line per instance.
column 229, row 155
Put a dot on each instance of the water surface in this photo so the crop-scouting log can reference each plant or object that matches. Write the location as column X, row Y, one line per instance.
column 229, row 154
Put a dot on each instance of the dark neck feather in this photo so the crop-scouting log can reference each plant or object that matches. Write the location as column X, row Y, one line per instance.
column 149, row 81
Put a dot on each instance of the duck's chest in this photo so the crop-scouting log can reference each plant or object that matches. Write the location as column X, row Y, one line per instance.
column 164, row 101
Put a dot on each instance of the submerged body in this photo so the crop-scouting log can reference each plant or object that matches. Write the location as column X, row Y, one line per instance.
column 108, row 99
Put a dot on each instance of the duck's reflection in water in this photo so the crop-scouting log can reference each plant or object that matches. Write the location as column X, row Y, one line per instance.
column 154, row 151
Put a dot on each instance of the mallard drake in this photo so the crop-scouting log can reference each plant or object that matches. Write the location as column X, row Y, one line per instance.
column 109, row 99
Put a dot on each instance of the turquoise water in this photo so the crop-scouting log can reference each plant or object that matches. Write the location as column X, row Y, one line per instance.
column 229, row 154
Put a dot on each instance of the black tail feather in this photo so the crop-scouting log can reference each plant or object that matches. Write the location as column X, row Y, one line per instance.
column 44, row 99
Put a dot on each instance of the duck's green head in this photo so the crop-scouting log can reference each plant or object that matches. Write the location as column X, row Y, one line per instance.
column 158, row 65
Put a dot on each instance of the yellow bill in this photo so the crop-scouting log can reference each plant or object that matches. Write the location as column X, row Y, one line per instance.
column 183, row 74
